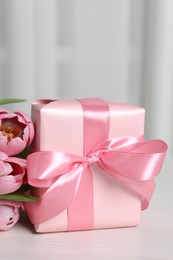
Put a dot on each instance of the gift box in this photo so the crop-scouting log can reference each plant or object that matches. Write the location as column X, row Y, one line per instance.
column 90, row 166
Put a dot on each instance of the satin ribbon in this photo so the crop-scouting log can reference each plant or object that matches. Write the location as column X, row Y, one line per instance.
column 132, row 163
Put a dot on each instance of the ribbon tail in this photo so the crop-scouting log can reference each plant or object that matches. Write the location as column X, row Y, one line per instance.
column 144, row 189
column 59, row 196
column 137, row 167
column 81, row 210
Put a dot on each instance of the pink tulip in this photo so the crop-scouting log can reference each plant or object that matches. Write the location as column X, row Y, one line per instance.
column 12, row 171
column 16, row 132
column 9, row 214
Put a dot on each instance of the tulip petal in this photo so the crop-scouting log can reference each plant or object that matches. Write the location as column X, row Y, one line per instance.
column 3, row 142
column 29, row 129
column 5, row 169
column 10, row 183
column 17, row 160
column 3, row 111
column 9, row 214
column 12, row 172
column 15, row 146
column 3, row 156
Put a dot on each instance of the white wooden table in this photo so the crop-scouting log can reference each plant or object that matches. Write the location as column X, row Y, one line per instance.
column 153, row 239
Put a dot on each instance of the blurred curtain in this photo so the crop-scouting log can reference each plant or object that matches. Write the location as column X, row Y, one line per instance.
column 157, row 79
column 115, row 49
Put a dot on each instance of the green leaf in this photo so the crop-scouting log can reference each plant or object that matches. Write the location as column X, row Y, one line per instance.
column 24, row 153
column 10, row 100
column 19, row 195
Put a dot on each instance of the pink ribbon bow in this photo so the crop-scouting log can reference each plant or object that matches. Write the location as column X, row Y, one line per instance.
column 134, row 164
column 66, row 181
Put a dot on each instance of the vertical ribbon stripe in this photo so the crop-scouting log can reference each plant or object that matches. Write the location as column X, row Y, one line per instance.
column 96, row 120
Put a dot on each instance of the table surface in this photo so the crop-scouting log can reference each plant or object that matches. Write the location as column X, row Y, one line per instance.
column 152, row 239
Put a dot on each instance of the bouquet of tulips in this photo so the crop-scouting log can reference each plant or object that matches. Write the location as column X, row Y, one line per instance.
column 16, row 134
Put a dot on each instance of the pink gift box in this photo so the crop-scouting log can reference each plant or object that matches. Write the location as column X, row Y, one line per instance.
column 60, row 127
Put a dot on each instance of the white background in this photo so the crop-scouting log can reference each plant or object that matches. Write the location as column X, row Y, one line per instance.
column 115, row 49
